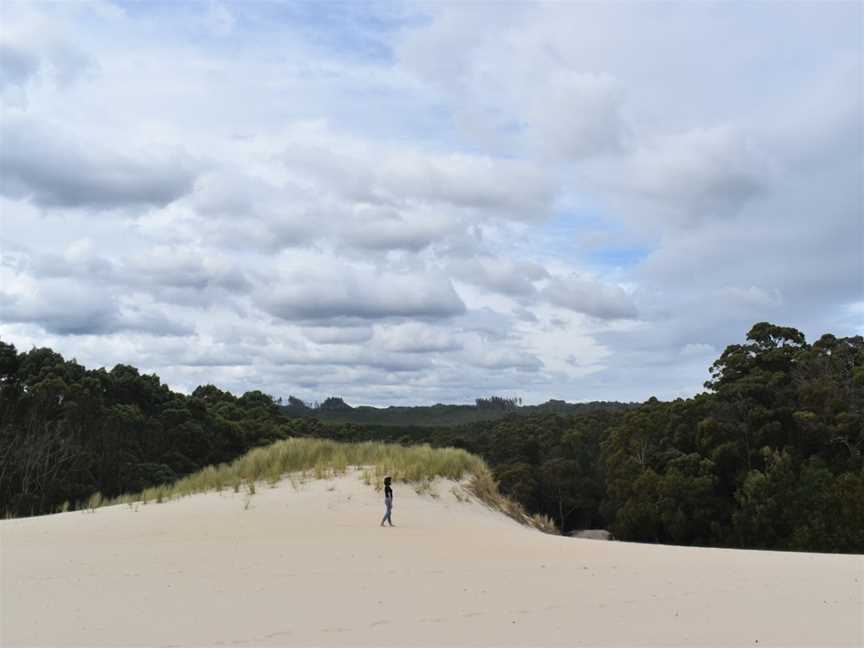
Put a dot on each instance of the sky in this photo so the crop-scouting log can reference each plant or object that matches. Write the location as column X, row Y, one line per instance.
column 412, row 203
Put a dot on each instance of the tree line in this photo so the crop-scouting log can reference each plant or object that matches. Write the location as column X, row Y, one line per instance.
column 769, row 456
column 335, row 410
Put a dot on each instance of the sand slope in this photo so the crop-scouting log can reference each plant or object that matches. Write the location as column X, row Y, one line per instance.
column 311, row 567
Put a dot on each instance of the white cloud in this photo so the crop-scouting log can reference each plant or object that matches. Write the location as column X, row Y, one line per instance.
column 751, row 296
column 699, row 350
column 338, row 334
column 67, row 307
column 342, row 291
column 498, row 274
column 427, row 203
column 53, row 168
column 36, row 49
column 416, row 337
column 700, row 174
column 385, row 228
column 589, row 296
column 578, row 115
column 363, row 171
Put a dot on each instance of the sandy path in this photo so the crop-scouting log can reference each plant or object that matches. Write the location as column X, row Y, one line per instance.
column 312, row 568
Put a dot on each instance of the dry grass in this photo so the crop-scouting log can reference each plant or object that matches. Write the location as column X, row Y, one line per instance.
column 483, row 486
column 299, row 458
column 96, row 500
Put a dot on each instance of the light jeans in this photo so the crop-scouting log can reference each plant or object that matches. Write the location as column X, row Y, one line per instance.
column 389, row 504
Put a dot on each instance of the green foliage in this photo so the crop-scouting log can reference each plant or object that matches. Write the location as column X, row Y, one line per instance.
column 95, row 501
column 67, row 433
column 771, row 458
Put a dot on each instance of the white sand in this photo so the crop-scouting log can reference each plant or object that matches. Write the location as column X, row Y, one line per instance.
column 313, row 568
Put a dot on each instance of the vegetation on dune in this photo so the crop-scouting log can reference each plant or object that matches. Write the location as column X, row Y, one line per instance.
column 770, row 456
column 321, row 458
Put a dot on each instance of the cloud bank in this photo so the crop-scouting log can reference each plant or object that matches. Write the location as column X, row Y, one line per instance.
column 417, row 203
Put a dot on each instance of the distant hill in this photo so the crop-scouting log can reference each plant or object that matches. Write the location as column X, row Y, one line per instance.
column 336, row 410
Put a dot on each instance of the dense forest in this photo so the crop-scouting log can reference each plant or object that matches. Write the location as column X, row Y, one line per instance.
column 770, row 456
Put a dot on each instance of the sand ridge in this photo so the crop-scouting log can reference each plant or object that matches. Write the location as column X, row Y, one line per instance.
column 308, row 565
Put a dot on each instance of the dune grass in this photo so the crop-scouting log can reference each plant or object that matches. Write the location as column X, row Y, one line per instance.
column 321, row 458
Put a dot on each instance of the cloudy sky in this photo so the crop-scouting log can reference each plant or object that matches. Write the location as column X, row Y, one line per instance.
column 420, row 203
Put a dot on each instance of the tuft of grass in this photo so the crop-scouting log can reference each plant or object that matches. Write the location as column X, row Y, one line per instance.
column 296, row 481
column 459, row 493
column 426, row 487
column 95, row 502
column 322, row 458
column 273, row 478
column 484, row 487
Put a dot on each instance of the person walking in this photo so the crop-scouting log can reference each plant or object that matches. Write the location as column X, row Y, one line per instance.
column 388, row 502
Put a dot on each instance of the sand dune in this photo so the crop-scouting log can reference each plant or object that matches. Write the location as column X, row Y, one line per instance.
column 311, row 567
